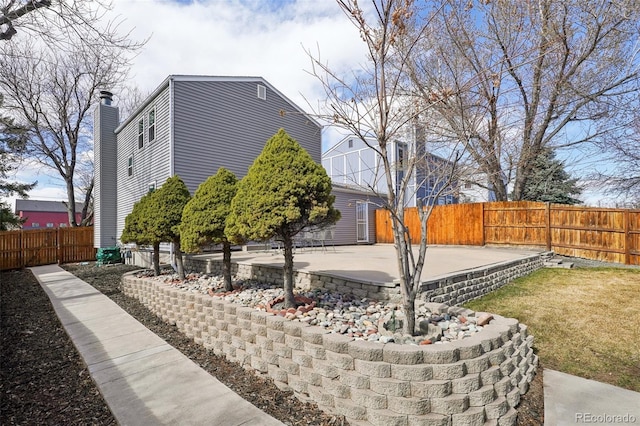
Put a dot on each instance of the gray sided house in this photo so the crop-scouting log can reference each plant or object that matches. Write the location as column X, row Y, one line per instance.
column 190, row 126
column 358, row 222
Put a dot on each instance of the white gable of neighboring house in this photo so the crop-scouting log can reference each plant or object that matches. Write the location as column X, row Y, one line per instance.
column 353, row 163
column 475, row 188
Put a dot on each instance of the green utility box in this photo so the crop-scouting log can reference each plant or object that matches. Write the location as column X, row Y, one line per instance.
column 108, row 255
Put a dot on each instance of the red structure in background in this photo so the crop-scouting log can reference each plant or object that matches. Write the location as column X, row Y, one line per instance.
column 41, row 214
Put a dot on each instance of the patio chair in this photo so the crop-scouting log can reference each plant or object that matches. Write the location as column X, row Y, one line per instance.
column 328, row 237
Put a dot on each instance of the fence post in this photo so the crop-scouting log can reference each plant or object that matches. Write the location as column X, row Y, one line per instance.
column 484, row 237
column 59, row 246
column 627, row 237
column 547, row 219
column 22, row 256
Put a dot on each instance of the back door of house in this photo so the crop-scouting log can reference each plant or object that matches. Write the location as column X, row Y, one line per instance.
column 362, row 222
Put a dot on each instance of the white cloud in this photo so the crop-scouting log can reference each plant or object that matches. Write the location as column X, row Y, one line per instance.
column 231, row 38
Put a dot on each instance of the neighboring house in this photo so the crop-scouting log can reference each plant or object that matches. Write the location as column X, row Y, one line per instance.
column 357, row 224
column 354, row 163
column 190, row 126
column 40, row 214
column 475, row 187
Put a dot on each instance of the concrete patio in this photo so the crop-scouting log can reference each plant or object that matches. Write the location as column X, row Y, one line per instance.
column 377, row 263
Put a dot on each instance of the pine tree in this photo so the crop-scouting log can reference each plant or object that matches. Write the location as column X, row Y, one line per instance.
column 549, row 182
column 12, row 143
column 165, row 212
column 283, row 193
column 136, row 229
column 204, row 218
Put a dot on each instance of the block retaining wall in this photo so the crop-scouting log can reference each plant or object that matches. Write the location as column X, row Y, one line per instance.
column 452, row 289
column 468, row 285
column 474, row 381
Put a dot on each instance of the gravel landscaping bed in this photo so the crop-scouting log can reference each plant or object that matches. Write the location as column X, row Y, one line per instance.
column 44, row 381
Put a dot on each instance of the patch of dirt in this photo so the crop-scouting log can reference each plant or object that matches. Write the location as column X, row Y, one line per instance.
column 44, row 381
column 531, row 407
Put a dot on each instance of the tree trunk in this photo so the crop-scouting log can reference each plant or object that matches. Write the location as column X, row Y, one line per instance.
column 71, row 204
column 156, row 259
column 87, row 215
column 226, row 265
column 409, row 308
column 289, row 299
column 178, row 255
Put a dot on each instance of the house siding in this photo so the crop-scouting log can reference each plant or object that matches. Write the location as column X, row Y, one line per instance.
column 56, row 219
column 152, row 163
column 345, row 228
column 105, row 193
column 224, row 124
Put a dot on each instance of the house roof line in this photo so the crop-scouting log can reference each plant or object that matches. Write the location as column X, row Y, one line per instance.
column 44, row 206
column 325, row 155
column 356, row 189
column 182, row 77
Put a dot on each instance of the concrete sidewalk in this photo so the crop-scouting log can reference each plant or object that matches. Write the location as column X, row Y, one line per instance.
column 144, row 380
column 571, row 400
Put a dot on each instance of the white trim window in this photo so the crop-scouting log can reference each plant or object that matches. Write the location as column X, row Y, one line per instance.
column 141, row 133
column 130, row 166
column 152, row 125
column 262, row 92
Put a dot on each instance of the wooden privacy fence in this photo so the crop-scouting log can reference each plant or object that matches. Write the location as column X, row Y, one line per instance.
column 611, row 235
column 19, row 249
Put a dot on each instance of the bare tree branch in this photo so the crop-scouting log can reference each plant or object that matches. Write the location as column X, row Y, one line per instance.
column 50, row 89
column 511, row 79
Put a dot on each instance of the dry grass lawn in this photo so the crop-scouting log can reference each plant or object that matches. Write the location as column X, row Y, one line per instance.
column 586, row 322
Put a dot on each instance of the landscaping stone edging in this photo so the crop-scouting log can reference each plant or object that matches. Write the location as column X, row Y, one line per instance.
column 471, row 381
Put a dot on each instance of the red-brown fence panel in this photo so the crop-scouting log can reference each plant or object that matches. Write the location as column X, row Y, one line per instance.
column 594, row 233
column 19, row 249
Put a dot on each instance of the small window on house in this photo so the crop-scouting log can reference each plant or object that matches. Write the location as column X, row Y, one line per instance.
column 402, row 155
column 141, row 133
column 467, row 185
column 130, row 166
column 49, row 225
column 350, row 143
column 152, row 186
column 152, row 125
column 35, row 225
column 63, row 225
column 262, row 92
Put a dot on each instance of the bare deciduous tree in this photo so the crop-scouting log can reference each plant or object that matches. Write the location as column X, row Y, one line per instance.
column 377, row 106
column 513, row 78
column 59, row 23
column 12, row 11
column 621, row 173
column 51, row 70
column 51, row 93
